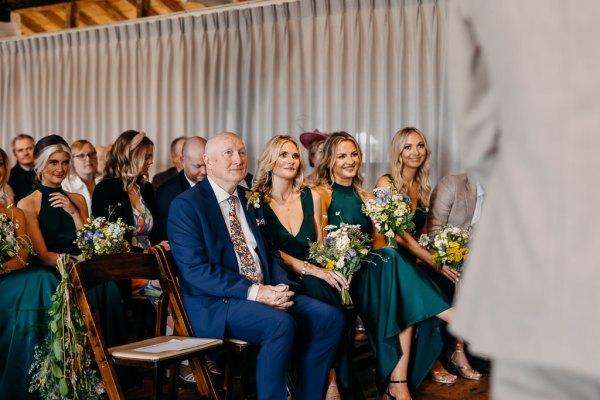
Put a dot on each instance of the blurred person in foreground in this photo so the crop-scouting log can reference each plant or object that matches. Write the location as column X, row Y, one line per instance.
column 527, row 100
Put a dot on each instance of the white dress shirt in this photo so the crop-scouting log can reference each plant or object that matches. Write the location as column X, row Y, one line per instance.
column 222, row 199
column 478, row 204
column 73, row 183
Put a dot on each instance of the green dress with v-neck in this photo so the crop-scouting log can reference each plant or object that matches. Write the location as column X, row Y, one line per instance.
column 392, row 293
column 298, row 246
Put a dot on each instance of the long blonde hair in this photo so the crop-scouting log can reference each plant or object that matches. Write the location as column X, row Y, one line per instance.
column 325, row 167
column 127, row 163
column 263, row 180
column 422, row 176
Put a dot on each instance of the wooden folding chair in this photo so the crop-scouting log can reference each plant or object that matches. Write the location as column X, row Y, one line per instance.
column 117, row 267
column 183, row 326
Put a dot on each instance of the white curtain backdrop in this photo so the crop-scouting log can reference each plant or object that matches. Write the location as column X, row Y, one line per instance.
column 369, row 67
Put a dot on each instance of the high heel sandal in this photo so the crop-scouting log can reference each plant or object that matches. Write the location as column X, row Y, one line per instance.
column 465, row 370
column 387, row 391
column 443, row 377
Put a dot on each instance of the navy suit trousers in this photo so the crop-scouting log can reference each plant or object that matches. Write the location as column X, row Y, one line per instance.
column 309, row 331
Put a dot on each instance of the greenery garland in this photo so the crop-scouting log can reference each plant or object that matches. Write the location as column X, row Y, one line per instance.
column 62, row 365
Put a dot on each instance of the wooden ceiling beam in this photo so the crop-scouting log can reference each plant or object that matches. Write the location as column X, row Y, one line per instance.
column 71, row 14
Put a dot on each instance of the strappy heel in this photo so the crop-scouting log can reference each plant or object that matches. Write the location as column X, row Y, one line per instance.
column 464, row 370
column 387, row 391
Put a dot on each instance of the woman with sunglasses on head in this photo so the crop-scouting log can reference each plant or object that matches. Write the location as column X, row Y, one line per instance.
column 393, row 300
column 83, row 176
column 126, row 193
column 293, row 216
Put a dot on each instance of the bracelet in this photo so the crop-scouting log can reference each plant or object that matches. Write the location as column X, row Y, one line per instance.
column 303, row 271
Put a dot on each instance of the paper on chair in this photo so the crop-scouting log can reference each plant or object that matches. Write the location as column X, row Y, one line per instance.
column 174, row 345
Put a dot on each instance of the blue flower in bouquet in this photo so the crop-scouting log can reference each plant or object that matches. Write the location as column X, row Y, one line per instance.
column 343, row 250
column 100, row 236
column 392, row 212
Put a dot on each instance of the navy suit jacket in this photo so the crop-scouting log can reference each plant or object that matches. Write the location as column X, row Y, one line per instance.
column 166, row 193
column 206, row 262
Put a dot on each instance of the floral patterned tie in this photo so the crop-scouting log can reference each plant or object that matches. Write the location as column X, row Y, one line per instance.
column 239, row 244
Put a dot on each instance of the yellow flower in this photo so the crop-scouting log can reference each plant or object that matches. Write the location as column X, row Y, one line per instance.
column 330, row 265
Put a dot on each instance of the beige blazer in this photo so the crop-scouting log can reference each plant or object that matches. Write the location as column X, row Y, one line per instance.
column 452, row 202
column 525, row 87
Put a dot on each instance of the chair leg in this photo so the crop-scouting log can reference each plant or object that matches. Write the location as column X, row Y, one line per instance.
column 173, row 378
column 243, row 377
column 227, row 384
column 157, row 386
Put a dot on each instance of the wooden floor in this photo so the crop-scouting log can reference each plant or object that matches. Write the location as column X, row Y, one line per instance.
column 463, row 389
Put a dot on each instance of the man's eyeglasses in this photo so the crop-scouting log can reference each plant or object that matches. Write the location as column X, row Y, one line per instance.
column 82, row 156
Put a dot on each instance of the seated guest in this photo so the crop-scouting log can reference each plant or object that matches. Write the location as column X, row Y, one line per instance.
column 456, row 201
column 162, row 177
column 83, row 177
column 7, row 196
column 314, row 143
column 25, row 295
column 53, row 218
column 233, row 285
column 22, row 177
column 293, row 216
column 400, row 305
column 53, row 215
column 126, row 192
column 101, row 152
column 194, row 170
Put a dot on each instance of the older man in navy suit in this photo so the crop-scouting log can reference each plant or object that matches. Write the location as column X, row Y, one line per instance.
column 234, row 285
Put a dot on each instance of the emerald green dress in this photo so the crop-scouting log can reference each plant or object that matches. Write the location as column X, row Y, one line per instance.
column 59, row 231
column 392, row 293
column 25, row 296
column 298, row 247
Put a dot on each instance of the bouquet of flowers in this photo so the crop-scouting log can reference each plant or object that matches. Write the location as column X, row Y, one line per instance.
column 343, row 250
column 391, row 211
column 63, row 361
column 99, row 237
column 449, row 245
column 11, row 244
column 63, row 364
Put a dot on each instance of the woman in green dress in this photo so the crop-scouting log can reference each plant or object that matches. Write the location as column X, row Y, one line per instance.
column 409, row 156
column 397, row 303
column 25, row 295
column 53, row 218
column 293, row 216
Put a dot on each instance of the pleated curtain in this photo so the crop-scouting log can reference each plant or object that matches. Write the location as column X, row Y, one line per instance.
column 369, row 67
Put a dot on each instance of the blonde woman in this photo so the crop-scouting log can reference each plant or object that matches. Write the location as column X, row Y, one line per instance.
column 394, row 299
column 293, row 216
column 409, row 155
column 53, row 215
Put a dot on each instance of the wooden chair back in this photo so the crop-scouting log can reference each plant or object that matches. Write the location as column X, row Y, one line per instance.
column 115, row 267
